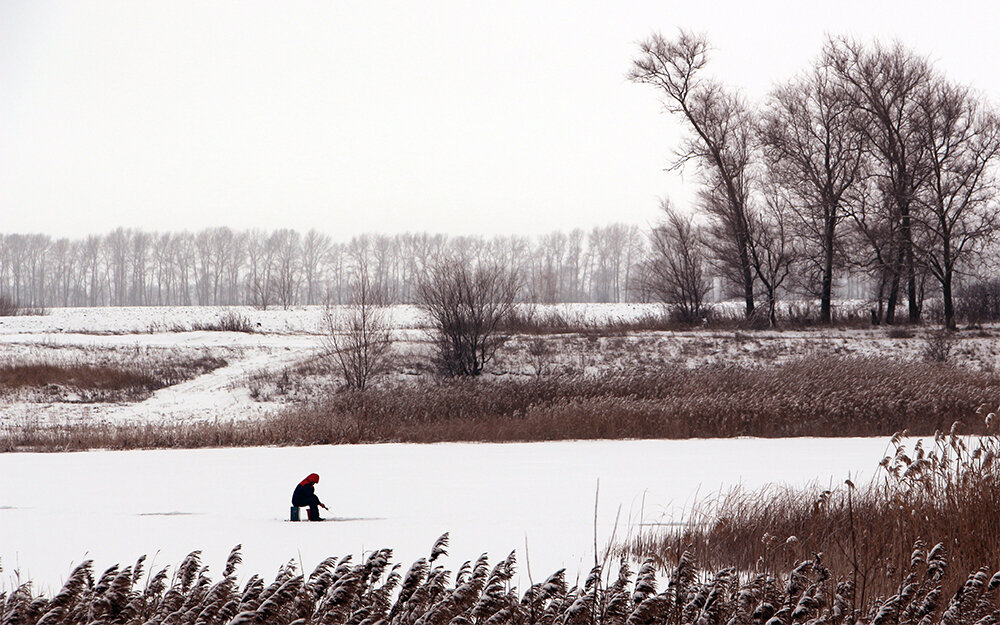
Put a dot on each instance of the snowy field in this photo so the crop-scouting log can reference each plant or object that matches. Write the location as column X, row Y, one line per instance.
column 281, row 339
column 285, row 339
column 59, row 509
column 537, row 499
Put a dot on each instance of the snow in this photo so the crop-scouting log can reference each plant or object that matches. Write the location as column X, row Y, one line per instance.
column 59, row 509
column 122, row 320
column 284, row 338
column 537, row 499
column 281, row 339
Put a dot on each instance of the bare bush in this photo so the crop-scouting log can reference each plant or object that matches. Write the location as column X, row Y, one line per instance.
column 541, row 352
column 229, row 321
column 979, row 302
column 9, row 307
column 675, row 272
column 358, row 338
column 468, row 307
column 900, row 333
column 937, row 346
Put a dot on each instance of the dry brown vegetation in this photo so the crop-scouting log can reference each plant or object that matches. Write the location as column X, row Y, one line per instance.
column 793, row 316
column 228, row 321
column 339, row 591
column 946, row 494
column 82, row 381
column 814, row 396
column 9, row 307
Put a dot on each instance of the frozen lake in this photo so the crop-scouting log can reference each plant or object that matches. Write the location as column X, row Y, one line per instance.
column 59, row 509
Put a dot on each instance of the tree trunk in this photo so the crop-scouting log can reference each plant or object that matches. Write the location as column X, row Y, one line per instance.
column 907, row 256
column 890, row 303
column 747, row 278
column 825, row 312
column 949, row 310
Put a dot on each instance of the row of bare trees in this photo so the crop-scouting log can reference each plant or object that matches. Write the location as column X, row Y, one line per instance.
column 222, row 266
column 871, row 160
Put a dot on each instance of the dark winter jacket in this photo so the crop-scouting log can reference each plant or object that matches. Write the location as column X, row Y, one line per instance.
column 305, row 492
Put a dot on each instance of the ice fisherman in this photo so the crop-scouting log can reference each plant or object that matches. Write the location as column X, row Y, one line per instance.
column 305, row 495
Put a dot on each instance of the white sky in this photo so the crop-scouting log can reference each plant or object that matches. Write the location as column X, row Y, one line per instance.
column 350, row 117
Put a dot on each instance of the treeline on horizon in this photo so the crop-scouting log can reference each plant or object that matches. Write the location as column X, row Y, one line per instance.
column 223, row 266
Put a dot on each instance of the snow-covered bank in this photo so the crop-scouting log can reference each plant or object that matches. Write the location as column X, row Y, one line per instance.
column 59, row 509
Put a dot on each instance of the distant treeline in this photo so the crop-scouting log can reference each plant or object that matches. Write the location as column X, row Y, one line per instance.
column 222, row 266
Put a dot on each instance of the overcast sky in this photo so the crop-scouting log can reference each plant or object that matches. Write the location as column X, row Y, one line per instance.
column 349, row 117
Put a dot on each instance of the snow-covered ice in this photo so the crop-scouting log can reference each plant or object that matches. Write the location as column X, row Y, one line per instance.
column 59, row 509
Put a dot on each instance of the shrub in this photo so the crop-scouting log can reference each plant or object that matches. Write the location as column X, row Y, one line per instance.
column 230, row 321
column 900, row 333
column 937, row 346
column 8, row 307
column 979, row 302
column 467, row 307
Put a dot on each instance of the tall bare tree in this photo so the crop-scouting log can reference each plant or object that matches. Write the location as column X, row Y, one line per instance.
column 773, row 248
column 960, row 216
column 720, row 140
column 886, row 84
column 813, row 146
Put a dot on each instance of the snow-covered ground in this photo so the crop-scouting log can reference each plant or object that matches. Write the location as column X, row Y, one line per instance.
column 537, row 498
column 295, row 320
column 281, row 338
column 285, row 338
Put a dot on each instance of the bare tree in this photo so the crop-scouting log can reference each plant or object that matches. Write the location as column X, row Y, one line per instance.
column 261, row 269
column 772, row 249
column 886, row 84
column 467, row 306
column 315, row 247
column 960, row 215
column 813, row 147
column 674, row 271
column 721, row 140
column 359, row 338
column 287, row 250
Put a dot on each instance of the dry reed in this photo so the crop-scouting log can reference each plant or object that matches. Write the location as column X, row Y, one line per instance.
column 374, row 592
column 947, row 494
column 815, row 396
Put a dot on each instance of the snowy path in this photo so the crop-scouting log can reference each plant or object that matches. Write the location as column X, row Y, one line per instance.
column 218, row 394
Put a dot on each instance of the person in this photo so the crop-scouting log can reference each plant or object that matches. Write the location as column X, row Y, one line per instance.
column 305, row 495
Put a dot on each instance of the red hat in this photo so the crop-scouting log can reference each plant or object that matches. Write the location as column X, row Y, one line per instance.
column 312, row 478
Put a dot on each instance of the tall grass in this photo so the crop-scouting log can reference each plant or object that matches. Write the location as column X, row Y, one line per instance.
column 926, row 502
column 529, row 320
column 373, row 591
column 814, row 396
